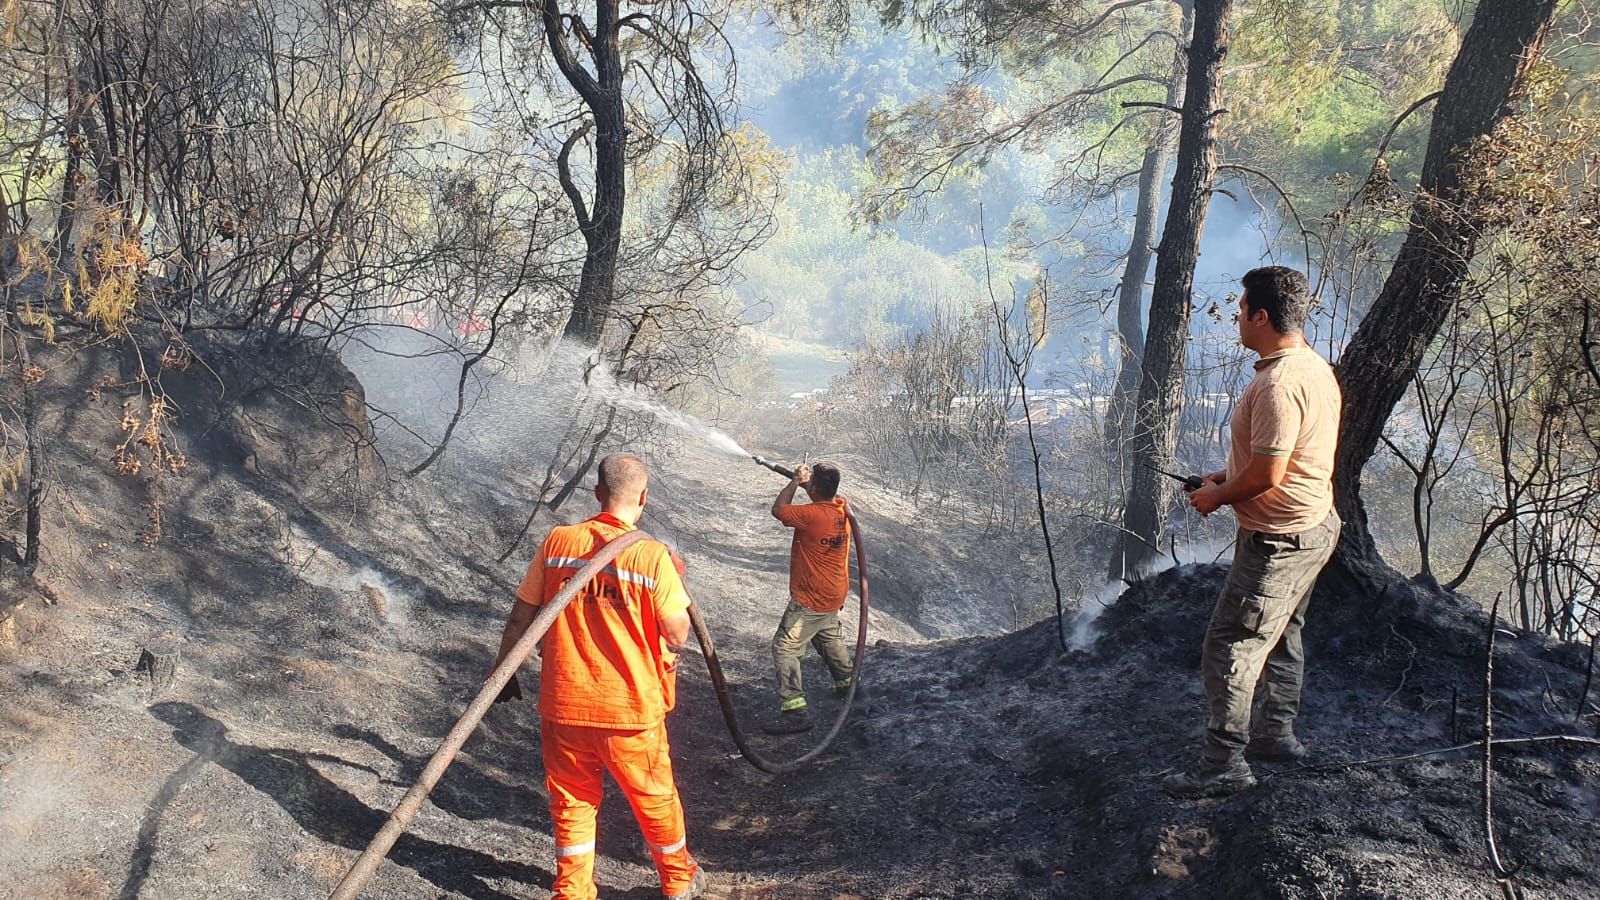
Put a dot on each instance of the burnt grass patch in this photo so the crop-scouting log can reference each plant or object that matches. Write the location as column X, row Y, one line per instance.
column 1004, row 768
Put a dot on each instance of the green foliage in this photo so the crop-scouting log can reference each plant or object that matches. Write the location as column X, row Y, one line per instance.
column 1312, row 88
column 822, row 276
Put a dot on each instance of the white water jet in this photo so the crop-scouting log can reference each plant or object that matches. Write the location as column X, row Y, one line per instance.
column 637, row 399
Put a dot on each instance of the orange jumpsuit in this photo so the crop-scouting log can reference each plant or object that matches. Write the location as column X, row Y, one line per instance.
column 605, row 687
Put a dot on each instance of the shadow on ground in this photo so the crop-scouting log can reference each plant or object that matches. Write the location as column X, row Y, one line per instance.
column 325, row 810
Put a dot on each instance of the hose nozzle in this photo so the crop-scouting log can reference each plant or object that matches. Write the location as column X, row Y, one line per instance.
column 763, row 461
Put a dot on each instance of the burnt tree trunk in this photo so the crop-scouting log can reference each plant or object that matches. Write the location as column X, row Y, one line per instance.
column 90, row 127
column 72, row 179
column 1161, row 387
column 1130, row 294
column 36, row 478
column 159, row 663
column 33, row 495
column 1381, row 360
column 599, row 215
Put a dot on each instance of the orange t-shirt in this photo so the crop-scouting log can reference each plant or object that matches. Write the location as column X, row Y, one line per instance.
column 606, row 664
column 819, row 559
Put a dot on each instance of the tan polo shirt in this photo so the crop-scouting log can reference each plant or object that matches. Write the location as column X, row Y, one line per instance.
column 1291, row 408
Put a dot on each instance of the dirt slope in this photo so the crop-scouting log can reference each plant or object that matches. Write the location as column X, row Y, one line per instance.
column 330, row 624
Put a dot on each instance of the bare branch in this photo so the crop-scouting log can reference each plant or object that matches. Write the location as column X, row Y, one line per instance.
column 580, row 210
column 1151, row 104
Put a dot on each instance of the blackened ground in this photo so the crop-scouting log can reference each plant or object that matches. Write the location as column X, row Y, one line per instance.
column 330, row 625
column 1004, row 768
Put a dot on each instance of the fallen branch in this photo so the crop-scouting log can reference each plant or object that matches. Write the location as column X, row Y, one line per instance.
column 1411, row 662
column 1502, row 873
column 1441, row 751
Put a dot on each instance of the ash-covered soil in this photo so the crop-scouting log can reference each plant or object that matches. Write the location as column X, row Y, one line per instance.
column 329, row 620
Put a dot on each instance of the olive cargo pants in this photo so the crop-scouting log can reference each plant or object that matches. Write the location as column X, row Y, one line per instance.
column 798, row 626
column 1254, row 636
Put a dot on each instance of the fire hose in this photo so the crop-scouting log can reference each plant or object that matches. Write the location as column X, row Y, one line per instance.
column 366, row 866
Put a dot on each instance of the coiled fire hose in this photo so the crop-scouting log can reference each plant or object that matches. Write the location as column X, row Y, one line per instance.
column 366, row 866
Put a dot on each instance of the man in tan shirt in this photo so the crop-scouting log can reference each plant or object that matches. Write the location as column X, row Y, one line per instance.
column 1279, row 482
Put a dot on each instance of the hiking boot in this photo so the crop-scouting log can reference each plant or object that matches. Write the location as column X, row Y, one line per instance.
column 697, row 887
column 843, row 690
column 1210, row 779
column 1283, row 748
column 790, row 721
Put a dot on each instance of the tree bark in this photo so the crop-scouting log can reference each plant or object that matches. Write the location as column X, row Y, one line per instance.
column 1130, row 294
column 1382, row 359
column 1161, row 387
column 33, row 502
column 599, row 220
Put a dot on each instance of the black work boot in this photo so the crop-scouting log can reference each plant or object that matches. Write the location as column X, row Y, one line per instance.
column 1278, row 748
column 1210, row 779
column 696, row 888
column 790, row 721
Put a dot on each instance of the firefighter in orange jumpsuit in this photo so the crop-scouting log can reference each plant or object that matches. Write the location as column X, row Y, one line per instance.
column 606, row 684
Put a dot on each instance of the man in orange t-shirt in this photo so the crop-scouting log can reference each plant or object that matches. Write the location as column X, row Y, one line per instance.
column 819, row 582
column 607, row 683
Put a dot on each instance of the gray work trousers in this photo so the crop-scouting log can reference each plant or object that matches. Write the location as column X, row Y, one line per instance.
column 798, row 626
column 1254, row 636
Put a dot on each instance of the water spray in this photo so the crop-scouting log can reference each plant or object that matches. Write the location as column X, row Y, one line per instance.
column 635, row 398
